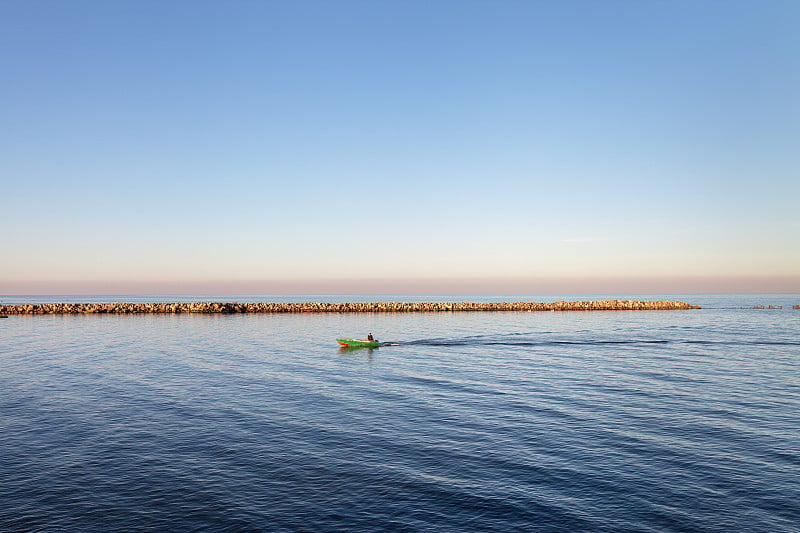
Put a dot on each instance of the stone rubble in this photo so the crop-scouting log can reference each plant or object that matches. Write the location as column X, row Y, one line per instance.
column 316, row 307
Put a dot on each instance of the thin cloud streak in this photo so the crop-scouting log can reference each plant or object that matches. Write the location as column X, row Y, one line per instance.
column 585, row 240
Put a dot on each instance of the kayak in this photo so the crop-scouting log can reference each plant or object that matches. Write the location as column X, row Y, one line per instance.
column 358, row 343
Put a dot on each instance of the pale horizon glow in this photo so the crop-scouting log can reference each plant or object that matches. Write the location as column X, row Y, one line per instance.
column 420, row 147
column 415, row 286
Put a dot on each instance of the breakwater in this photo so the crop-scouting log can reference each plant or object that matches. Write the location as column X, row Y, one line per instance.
column 317, row 307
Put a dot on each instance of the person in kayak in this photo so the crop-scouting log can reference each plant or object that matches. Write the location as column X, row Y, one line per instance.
column 370, row 337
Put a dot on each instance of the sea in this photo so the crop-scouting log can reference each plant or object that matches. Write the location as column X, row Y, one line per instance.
column 610, row 421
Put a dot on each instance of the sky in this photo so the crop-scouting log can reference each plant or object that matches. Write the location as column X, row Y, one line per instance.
column 436, row 146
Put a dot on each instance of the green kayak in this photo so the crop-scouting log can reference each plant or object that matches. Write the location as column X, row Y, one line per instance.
column 358, row 343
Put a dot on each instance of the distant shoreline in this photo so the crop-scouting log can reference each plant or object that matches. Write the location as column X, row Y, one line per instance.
column 317, row 307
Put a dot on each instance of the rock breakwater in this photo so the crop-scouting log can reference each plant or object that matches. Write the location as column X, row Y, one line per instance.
column 317, row 307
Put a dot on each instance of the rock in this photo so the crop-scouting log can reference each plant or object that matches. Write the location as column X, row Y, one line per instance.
column 349, row 307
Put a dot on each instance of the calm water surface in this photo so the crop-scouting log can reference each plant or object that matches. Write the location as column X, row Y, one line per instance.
column 599, row 421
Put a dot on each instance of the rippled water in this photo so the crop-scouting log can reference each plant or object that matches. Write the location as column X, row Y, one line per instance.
column 598, row 421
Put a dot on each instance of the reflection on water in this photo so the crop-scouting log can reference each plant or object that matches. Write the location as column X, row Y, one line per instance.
column 356, row 349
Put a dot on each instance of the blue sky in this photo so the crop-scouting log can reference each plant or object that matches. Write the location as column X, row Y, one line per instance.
column 437, row 146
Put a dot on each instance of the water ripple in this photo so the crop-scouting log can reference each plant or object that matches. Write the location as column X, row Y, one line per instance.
column 605, row 422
